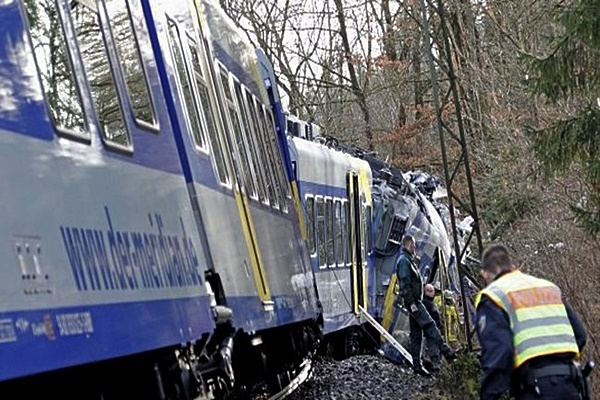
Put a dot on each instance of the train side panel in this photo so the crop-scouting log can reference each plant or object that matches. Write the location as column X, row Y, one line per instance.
column 253, row 237
column 226, row 143
column 280, row 246
column 100, row 252
column 332, row 184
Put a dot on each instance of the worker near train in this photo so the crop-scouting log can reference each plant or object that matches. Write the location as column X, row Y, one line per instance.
column 420, row 322
column 431, row 306
column 429, row 296
column 529, row 335
column 450, row 321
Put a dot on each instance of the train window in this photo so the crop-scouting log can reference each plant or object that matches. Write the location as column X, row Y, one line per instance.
column 362, row 235
column 253, row 119
column 367, row 224
column 196, row 75
column 203, row 98
column 130, row 60
column 338, row 219
column 321, row 248
column 190, row 110
column 267, row 165
column 310, row 224
column 274, row 159
column 99, row 75
column 282, row 175
column 252, row 141
column 329, row 232
column 342, row 233
column 348, row 234
column 238, row 136
column 56, row 71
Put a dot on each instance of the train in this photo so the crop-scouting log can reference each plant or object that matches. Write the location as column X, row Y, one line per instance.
column 169, row 232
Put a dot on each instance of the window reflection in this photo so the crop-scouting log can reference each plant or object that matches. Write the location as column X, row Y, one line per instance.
column 130, row 61
column 238, row 137
column 310, row 224
column 272, row 183
column 329, row 232
column 338, row 221
column 205, row 106
column 321, row 245
column 184, row 81
column 267, row 179
column 251, row 142
column 98, row 73
column 55, row 68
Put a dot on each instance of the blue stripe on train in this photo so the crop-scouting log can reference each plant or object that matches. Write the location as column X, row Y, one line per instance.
column 322, row 189
column 249, row 312
column 41, row 340
column 334, row 323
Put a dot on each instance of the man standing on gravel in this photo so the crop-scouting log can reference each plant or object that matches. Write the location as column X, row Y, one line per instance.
column 529, row 335
column 411, row 292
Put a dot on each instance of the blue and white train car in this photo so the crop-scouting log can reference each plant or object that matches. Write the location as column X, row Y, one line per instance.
column 101, row 255
column 335, row 192
column 144, row 201
column 233, row 166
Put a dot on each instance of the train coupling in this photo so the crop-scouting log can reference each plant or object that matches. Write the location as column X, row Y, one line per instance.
column 222, row 314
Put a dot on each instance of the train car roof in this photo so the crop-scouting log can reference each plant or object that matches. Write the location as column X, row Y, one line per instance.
column 231, row 46
column 328, row 157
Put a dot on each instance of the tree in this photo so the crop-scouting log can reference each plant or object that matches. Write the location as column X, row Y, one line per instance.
column 569, row 78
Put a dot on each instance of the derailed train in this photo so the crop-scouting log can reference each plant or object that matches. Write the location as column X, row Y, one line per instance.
column 163, row 236
column 393, row 204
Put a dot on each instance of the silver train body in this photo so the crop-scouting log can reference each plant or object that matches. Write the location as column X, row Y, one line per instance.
column 162, row 237
column 335, row 189
column 149, row 238
column 394, row 204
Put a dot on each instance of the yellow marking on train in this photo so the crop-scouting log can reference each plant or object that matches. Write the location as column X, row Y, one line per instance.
column 260, row 277
column 364, row 190
column 299, row 209
column 353, row 253
column 388, row 303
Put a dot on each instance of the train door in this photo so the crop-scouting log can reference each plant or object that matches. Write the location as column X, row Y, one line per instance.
column 357, row 245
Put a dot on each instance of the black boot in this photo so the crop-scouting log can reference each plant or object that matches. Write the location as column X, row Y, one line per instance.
column 449, row 354
column 419, row 370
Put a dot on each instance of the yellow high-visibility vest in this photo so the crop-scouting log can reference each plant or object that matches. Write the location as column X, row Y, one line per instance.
column 537, row 315
column 449, row 315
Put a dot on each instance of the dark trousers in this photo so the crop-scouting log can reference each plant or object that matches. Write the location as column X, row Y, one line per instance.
column 549, row 378
column 553, row 388
column 420, row 322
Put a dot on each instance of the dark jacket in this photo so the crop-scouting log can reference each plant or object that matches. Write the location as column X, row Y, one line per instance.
column 497, row 356
column 411, row 283
column 432, row 309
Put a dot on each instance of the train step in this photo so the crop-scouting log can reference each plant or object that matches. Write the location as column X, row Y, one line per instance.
column 391, row 339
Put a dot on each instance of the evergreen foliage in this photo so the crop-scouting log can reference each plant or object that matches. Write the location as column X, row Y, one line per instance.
column 570, row 74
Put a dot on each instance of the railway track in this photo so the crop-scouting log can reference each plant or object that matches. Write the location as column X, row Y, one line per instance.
column 301, row 377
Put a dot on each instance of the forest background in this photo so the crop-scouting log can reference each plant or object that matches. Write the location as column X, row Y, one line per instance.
column 527, row 80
